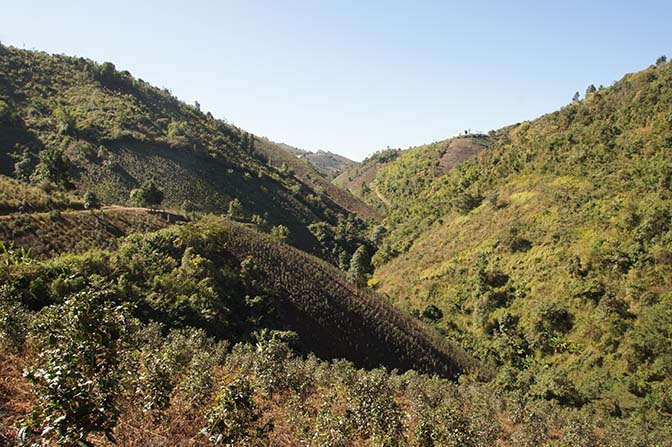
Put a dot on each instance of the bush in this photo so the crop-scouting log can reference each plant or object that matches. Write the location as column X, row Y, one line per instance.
column 148, row 195
column 280, row 232
column 375, row 414
column 14, row 319
column 90, row 200
column 234, row 418
column 54, row 166
column 79, row 368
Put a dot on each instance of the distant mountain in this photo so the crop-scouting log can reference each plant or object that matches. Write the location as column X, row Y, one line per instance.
column 327, row 163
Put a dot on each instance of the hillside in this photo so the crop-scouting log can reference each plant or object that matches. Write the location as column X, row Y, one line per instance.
column 519, row 293
column 548, row 254
column 329, row 164
column 84, row 126
column 183, row 275
column 394, row 175
column 143, row 335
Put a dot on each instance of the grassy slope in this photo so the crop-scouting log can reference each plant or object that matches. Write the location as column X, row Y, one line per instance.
column 569, row 212
column 14, row 195
column 393, row 175
column 358, row 177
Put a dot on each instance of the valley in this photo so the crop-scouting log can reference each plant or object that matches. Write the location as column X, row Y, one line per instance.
column 167, row 278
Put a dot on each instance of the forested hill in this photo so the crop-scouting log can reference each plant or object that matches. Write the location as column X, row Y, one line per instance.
column 88, row 127
column 551, row 252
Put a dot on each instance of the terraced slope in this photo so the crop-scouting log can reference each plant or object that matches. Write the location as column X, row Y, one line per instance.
column 332, row 316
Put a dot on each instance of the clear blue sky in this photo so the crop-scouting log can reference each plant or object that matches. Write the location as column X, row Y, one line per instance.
column 357, row 76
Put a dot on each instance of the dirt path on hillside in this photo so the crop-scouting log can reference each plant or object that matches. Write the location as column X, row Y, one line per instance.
column 106, row 208
column 374, row 188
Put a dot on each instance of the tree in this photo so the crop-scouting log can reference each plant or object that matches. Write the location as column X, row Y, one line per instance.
column 65, row 121
column 236, row 211
column 280, row 232
column 576, row 97
column 234, row 418
column 54, row 166
column 591, row 89
column 7, row 113
column 23, row 166
column 188, row 206
column 661, row 60
column 78, row 375
column 360, row 266
column 148, row 195
column 90, row 200
column 432, row 312
column 377, row 234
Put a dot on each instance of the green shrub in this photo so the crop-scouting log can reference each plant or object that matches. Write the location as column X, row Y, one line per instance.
column 90, row 200
column 234, row 419
column 14, row 319
column 77, row 378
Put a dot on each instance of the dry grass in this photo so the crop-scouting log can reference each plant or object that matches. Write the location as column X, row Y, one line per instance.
column 16, row 398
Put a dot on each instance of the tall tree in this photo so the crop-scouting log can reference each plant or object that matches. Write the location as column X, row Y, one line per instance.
column 360, row 266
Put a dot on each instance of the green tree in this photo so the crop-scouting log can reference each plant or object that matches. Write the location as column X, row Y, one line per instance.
column 148, row 195
column 90, row 200
column 576, row 97
column 360, row 266
column 236, row 211
column 661, row 60
column 188, row 206
column 591, row 89
column 7, row 113
column 280, row 232
column 64, row 120
column 234, row 418
column 377, row 234
column 54, row 166
column 23, row 166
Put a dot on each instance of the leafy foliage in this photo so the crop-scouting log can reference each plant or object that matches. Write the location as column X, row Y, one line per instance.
column 559, row 267
column 78, row 372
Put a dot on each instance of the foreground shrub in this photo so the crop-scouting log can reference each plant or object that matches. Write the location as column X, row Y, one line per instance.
column 234, row 418
column 78, row 372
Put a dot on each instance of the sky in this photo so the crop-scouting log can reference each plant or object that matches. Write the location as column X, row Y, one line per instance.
column 355, row 77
